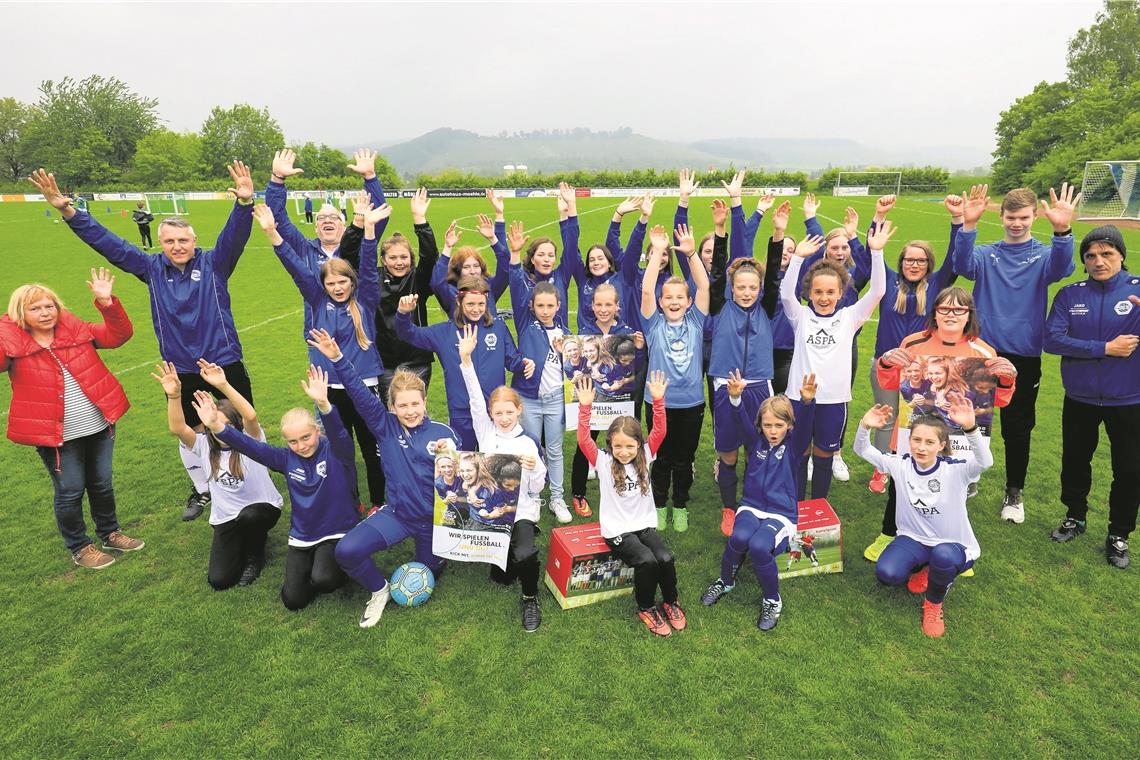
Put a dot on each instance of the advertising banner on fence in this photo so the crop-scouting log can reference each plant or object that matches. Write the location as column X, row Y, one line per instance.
column 612, row 362
column 476, row 498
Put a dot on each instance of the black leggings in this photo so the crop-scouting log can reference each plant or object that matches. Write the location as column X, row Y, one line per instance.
column 310, row 570
column 357, row 428
column 1019, row 417
column 580, row 470
column 675, row 458
column 781, row 366
column 522, row 561
column 652, row 565
column 240, row 542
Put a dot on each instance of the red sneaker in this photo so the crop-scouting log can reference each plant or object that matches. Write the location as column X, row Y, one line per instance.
column 581, row 506
column 932, row 623
column 674, row 615
column 879, row 482
column 655, row 622
column 727, row 520
column 919, row 581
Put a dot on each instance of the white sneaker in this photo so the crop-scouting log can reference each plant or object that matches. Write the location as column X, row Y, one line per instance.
column 592, row 474
column 839, row 469
column 1012, row 506
column 558, row 507
column 375, row 607
column 811, row 466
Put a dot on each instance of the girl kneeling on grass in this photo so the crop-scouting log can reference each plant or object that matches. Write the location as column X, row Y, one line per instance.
column 321, row 474
column 626, row 510
column 766, row 519
column 244, row 503
column 935, row 542
column 499, row 432
column 408, row 441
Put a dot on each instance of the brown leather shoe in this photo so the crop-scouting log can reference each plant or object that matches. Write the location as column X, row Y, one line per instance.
column 122, row 543
column 92, row 558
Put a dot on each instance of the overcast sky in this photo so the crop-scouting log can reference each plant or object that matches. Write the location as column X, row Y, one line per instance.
column 881, row 73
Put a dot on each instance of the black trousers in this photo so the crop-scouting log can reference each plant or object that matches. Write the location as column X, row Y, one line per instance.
column 674, row 463
column 781, row 366
column 236, row 376
column 239, row 542
column 580, row 469
column 356, row 427
column 522, row 560
column 144, row 233
column 652, row 565
column 1019, row 417
column 309, row 571
column 423, row 371
column 1080, row 433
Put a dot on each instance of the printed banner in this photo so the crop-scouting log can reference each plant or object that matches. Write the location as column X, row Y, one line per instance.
column 927, row 380
column 612, row 361
column 476, row 498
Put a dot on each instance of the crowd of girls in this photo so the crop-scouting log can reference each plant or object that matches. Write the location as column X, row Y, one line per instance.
column 769, row 344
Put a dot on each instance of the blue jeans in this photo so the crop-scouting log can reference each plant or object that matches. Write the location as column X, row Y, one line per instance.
column 82, row 464
column 544, row 419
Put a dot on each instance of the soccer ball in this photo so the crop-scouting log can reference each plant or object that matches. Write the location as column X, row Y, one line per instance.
column 412, row 584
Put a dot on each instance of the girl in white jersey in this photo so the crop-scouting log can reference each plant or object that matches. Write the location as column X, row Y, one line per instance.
column 824, row 332
column 935, row 541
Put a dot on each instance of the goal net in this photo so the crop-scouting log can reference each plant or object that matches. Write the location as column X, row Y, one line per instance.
column 318, row 197
column 166, row 204
column 867, row 183
column 1110, row 191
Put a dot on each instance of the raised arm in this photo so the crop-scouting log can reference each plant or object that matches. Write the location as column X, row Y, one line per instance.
column 375, row 414
column 408, row 331
column 480, row 419
column 746, row 423
column 216, row 377
column 966, row 259
column 116, row 328
column 865, row 306
column 718, row 289
column 657, row 251
column 276, row 197
column 586, row 444
column 235, row 233
column 1060, row 214
column 428, row 256
column 788, row 286
column 167, row 376
column 688, row 249
column 368, row 274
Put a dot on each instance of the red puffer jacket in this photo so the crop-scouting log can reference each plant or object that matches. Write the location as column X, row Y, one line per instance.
column 36, row 415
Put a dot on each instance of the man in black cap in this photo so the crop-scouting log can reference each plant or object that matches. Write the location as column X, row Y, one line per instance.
column 1094, row 326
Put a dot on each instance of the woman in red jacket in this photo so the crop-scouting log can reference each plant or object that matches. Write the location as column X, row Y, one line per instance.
column 66, row 403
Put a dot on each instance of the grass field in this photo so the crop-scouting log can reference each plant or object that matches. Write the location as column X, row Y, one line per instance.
column 143, row 659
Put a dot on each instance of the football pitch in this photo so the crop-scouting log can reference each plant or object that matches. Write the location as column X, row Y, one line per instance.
column 144, row 659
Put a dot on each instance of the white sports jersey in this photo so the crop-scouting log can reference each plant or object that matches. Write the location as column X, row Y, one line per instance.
column 930, row 505
column 823, row 344
column 228, row 495
column 552, row 370
column 623, row 508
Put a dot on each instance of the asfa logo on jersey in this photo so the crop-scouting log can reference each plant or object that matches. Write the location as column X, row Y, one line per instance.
column 491, row 340
column 228, row 481
column 920, row 507
column 1123, row 307
column 195, row 275
column 821, row 337
column 322, row 468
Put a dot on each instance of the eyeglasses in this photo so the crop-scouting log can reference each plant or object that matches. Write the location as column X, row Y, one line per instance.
column 328, row 217
column 913, row 262
column 957, row 311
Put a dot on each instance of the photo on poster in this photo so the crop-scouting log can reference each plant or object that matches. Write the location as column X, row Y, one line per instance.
column 476, row 499
column 612, row 362
column 928, row 382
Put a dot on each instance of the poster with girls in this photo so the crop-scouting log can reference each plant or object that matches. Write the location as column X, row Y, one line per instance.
column 476, row 498
column 927, row 382
column 614, row 363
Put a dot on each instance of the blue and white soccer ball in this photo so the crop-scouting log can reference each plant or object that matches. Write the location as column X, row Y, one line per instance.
column 412, row 584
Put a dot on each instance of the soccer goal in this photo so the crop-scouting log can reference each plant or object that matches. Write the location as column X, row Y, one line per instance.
column 318, row 197
column 166, row 204
column 867, row 183
column 1110, row 191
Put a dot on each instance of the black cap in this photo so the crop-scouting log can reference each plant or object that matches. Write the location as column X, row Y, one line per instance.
column 1104, row 234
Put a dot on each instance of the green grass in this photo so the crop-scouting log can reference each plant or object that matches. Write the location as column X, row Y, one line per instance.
column 143, row 659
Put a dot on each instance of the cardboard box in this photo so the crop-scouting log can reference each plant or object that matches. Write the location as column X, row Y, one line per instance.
column 580, row 568
column 817, row 546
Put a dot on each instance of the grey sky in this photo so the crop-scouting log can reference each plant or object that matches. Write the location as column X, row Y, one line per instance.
column 881, row 73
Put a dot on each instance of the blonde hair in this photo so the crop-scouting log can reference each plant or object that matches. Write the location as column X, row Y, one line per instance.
column 919, row 287
column 505, row 393
column 675, row 280
column 630, row 427
column 483, row 478
column 24, row 296
column 605, row 287
column 341, row 268
column 837, row 232
column 298, row 416
column 779, row 407
column 404, row 380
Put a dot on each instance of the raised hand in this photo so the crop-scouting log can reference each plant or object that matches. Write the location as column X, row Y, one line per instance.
column 374, row 216
column 961, row 411
column 243, row 183
column 877, row 416
column 639, row 340
column 658, row 240
column 884, row 205
column 897, row 357
column 719, row 213
column 326, row 344
column 212, row 373
column 808, row 388
column 452, row 235
column 736, row 384
column 686, row 184
column 765, row 202
column 646, row 205
column 735, row 187
column 781, row 217
column 364, row 163
column 408, row 304
column 485, row 226
column 207, row 410
column 883, row 234
column 686, row 242
column 851, row 223
column 419, row 206
column 656, row 385
column 954, row 205
column 48, row 188
column 361, row 202
column 517, row 237
column 1061, row 210
column 167, row 377
column 495, row 201
column 468, row 338
column 975, row 204
column 808, row 246
column 264, row 217
column 585, row 388
column 811, row 205
column 566, row 195
column 100, row 284
column 629, row 205
column 316, row 385
column 283, row 164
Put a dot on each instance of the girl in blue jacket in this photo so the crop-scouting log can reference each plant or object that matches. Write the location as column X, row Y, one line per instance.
column 768, row 511
column 496, row 353
column 466, row 261
column 539, row 263
column 408, row 440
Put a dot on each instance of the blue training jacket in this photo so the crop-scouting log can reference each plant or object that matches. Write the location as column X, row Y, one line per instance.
column 742, row 337
column 770, row 472
column 523, row 282
column 309, row 250
column 588, row 283
column 445, row 291
column 190, row 309
column 1085, row 316
column 1011, row 284
column 534, row 345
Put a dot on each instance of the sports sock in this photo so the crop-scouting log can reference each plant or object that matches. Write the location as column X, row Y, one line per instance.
column 727, row 482
column 198, row 475
column 820, row 477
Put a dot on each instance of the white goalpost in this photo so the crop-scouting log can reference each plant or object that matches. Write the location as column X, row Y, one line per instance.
column 1110, row 191
column 317, row 196
column 867, row 183
column 166, row 204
